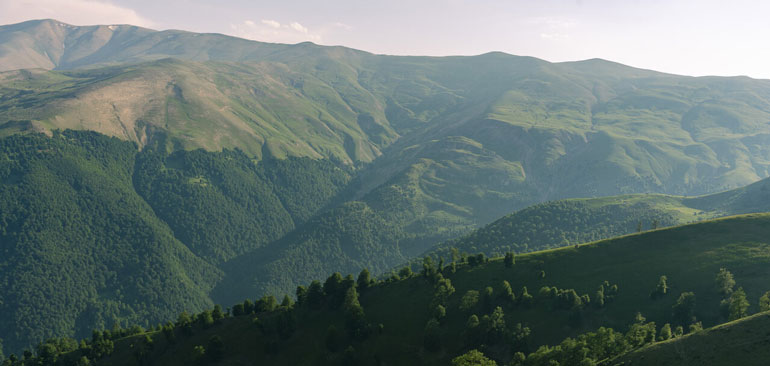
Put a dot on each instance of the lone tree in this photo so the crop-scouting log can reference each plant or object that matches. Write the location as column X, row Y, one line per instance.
column 661, row 289
column 684, row 308
column 738, row 305
column 469, row 300
column 473, row 358
column 364, row 279
column 764, row 302
column 724, row 282
column 510, row 259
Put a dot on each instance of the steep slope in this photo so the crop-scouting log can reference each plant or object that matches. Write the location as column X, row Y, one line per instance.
column 80, row 247
column 95, row 233
column 407, row 327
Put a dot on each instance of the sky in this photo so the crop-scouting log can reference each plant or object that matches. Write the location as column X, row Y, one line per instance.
column 702, row 37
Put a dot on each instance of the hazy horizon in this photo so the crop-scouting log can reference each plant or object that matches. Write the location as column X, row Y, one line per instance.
column 678, row 37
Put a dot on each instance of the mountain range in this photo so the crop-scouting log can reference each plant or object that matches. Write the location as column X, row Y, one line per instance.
column 250, row 168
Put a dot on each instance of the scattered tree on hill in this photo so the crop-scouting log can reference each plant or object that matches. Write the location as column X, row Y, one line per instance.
column 364, row 280
column 506, row 294
column 661, row 289
column 469, row 301
column 217, row 313
column 510, row 259
column 287, row 302
column 439, row 313
column 695, row 327
column 489, row 298
column 640, row 332
column 315, row 295
column 238, row 309
column 405, row 272
column 443, row 290
column 334, row 291
column 494, row 325
column 198, row 353
column 764, row 302
column 473, row 358
column 432, row 336
column 665, row 332
column 428, row 269
column 301, row 294
column 355, row 320
column 266, row 304
column 724, row 282
column 684, row 308
column 738, row 304
column 472, row 332
column 525, row 298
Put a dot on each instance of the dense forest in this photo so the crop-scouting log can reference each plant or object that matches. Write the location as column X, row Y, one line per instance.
column 95, row 233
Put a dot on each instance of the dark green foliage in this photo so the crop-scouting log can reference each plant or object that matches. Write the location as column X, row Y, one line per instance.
column 405, row 272
column 473, row 358
column 738, row 305
column 287, row 302
column 215, row 348
column 553, row 224
column 364, row 280
column 592, row 347
column 223, row 204
column 661, row 289
column 665, row 332
column 334, row 339
column 764, row 302
column 469, row 300
column 101, row 255
column 684, row 308
column 505, row 294
column 315, row 295
column 432, row 335
column 355, row 319
column 510, row 259
column 724, row 282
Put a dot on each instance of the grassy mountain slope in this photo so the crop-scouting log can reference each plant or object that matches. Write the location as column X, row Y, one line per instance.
column 690, row 256
column 741, row 342
column 574, row 221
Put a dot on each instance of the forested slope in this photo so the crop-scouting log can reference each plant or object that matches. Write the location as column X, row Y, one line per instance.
column 95, row 233
column 608, row 297
column 575, row 221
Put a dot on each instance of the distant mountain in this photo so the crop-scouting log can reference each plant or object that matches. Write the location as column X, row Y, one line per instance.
column 50, row 44
column 581, row 220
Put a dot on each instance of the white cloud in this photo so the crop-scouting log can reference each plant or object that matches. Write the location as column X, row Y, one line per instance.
column 267, row 22
column 76, row 12
column 298, row 27
column 268, row 30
